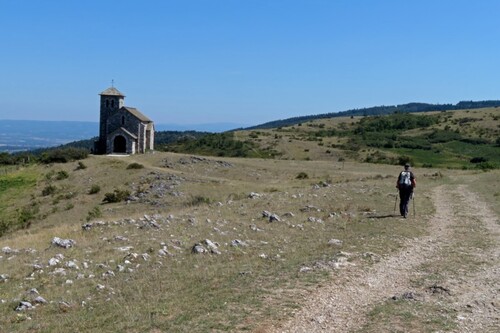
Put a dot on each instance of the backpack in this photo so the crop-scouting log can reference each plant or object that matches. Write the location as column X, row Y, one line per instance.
column 404, row 178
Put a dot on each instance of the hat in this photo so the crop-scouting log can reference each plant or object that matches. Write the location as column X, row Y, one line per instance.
column 407, row 165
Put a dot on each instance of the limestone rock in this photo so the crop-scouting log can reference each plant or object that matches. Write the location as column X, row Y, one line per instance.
column 23, row 305
column 65, row 243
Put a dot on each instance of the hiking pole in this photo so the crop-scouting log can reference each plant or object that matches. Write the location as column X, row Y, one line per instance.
column 395, row 202
column 413, row 199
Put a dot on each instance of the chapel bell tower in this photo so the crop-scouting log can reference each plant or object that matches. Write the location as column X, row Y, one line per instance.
column 111, row 101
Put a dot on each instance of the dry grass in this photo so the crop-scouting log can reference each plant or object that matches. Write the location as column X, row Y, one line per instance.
column 236, row 290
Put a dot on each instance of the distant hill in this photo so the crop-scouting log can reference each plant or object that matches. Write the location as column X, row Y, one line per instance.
column 380, row 110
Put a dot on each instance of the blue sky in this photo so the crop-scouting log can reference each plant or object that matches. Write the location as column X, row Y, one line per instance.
column 244, row 62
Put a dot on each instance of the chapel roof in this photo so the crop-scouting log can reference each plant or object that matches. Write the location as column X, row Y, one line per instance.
column 137, row 114
column 112, row 91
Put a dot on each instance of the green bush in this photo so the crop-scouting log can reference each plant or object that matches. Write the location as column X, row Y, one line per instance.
column 94, row 189
column 135, row 166
column 64, row 155
column 49, row 190
column 116, row 196
column 81, row 166
column 198, row 200
column 95, row 213
column 4, row 226
column 62, row 175
column 302, row 175
column 478, row 160
column 27, row 214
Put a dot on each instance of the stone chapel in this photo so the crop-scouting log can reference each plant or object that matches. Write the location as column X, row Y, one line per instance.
column 122, row 129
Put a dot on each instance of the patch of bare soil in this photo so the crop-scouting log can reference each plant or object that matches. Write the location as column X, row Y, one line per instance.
column 473, row 297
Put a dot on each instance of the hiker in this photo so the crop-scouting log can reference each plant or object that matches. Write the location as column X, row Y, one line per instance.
column 405, row 185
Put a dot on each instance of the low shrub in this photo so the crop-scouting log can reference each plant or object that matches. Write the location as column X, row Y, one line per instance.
column 49, row 190
column 94, row 189
column 478, row 160
column 198, row 200
column 64, row 155
column 81, row 166
column 62, row 175
column 116, row 196
column 135, row 166
column 302, row 175
column 94, row 213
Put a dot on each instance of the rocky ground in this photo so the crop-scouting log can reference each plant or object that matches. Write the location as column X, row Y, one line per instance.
column 470, row 294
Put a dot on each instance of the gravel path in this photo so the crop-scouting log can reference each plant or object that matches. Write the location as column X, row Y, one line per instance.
column 344, row 307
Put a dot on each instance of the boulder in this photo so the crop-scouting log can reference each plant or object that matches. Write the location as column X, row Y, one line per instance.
column 65, row 243
column 23, row 305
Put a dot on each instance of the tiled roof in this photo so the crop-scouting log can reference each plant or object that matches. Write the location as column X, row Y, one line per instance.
column 137, row 114
column 112, row 91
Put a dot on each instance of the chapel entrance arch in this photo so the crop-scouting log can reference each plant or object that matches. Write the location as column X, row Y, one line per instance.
column 120, row 144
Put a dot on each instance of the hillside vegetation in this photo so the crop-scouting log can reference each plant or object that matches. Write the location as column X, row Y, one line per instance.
column 455, row 139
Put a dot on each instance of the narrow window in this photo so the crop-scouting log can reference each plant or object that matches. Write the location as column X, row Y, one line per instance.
column 107, row 103
column 123, row 120
column 112, row 103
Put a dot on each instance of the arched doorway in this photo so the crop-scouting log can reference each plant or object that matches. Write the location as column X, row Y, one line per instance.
column 119, row 144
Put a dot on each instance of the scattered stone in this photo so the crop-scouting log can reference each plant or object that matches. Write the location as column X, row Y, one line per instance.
column 289, row 214
column 145, row 256
column 409, row 296
column 255, row 228
column 274, row 217
column 121, row 238
column 4, row 277
column 254, row 195
column 23, row 305
column 310, row 208
column 87, row 226
column 40, row 300
column 59, row 271
column 305, row 269
column 335, row 242
column 69, row 281
column 198, row 248
column 72, row 264
column 100, row 287
column 54, row 261
column 64, row 306
column 211, row 245
column 238, row 243
column 263, row 256
column 314, row 219
column 37, row 267
column 164, row 252
column 108, row 274
column 124, row 248
column 372, row 256
column 435, row 289
column 65, row 243
column 33, row 291
column 267, row 214
column 8, row 250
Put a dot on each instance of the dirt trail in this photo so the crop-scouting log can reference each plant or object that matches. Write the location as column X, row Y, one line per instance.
column 476, row 300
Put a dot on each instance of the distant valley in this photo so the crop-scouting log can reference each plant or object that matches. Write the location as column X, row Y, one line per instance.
column 22, row 135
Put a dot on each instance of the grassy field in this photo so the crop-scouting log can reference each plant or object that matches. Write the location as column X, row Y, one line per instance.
column 262, row 279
